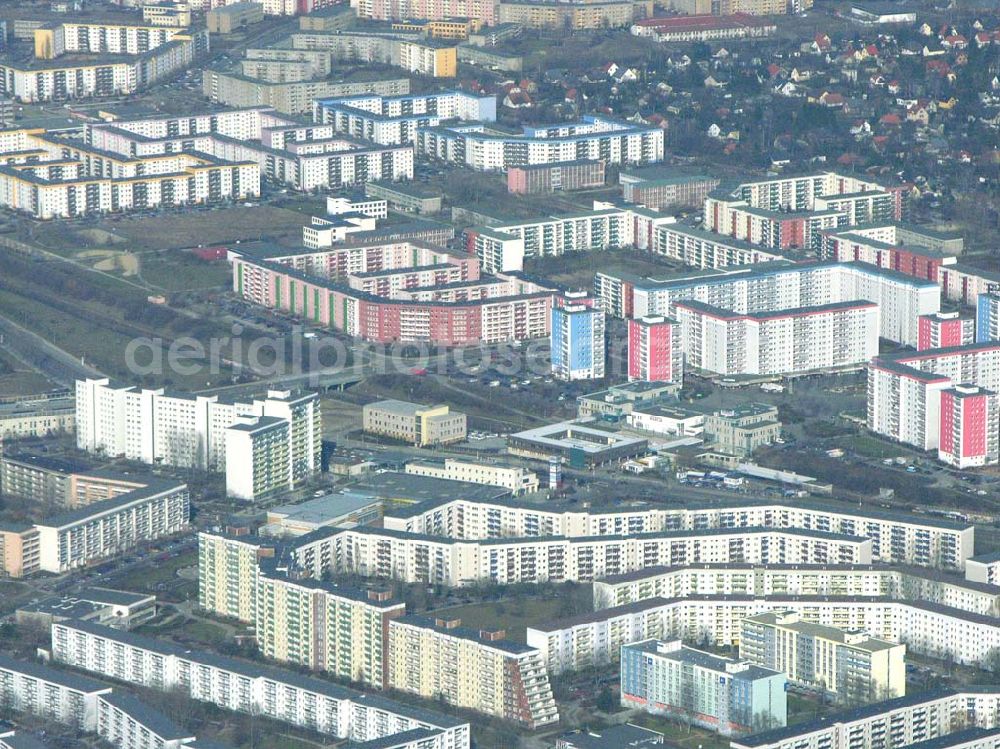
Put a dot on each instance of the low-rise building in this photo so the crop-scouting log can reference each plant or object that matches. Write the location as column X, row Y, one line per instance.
column 618, row 401
column 724, row 695
column 544, row 178
column 413, row 423
column 659, row 188
column 515, row 479
column 116, row 608
column 401, row 196
column 230, row 18
column 741, row 430
column 850, row 664
column 37, row 416
column 579, row 442
column 346, row 508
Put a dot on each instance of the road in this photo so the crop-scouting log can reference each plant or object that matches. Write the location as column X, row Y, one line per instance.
column 58, row 365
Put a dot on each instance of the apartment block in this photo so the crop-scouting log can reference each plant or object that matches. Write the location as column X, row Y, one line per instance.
column 289, row 97
column 37, row 478
column 934, row 718
column 228, row 571
column 945, row 329
column 480, row 671
column 704, row 249
column 897, row 538
column 581, row 174
column 300, row 155
column 703, row 28
column 192, row 431
column 582, row 16
column 984, row 569
column 850, row 664
column 577, row 349
column 422, row 56
column 988, row 317
column 905, row 390
column 964, row 283
column 125, row 722
column 978, row 594
column 970, row 437
column 413, row 423
column 395, row 120
column 831, row 336
column 654, row 350
column 777, row 286
column 37, row 416
column 61, row 696
column 154, row 508
column 483, row 148
column 899, row 247
column 430, row 10
column 516, row 479
column 724, row 695
column 408, row 557
column 325, row 627
column 247, row 687
column 928, row 629
column 661, row 188
column 49, row 176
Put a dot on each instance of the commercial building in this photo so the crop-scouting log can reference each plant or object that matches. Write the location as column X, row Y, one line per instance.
column 290, row 97
column 116, row 608
column 741, row 430
column 559, row 177
column 618, row 401
column 61, row 696
column 577, row 349
column 945, row 329
column 230, row 18
column 405, row 197
column 476, row 670
column 395, row 120
column 703, row 28
column 929, row 719
column 929, row 629
column 272, row 442
column 242, row 686
column 515, row 479
column 411, row 422
column 850, row 664
column 659, row 188
column 778, row 286
column 577, row 442
column 654, row 350
column 667, row 420
column 970, row 417
column 831, row 336
column 905, row 390
column 347, row 508
column 897, row 538
column 593, row 137
column 724, row 695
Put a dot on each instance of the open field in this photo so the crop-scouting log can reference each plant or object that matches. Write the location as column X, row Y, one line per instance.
column 136, row 233
column 17, row 379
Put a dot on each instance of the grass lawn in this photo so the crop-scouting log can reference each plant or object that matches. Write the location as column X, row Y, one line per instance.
column 513, row 616
column 190, row 629
column 870, row 447
column 689, row 738
column 157, row 572
column 182, row 271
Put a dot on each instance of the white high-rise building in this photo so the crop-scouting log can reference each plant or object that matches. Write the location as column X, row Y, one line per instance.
column 192, row 431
